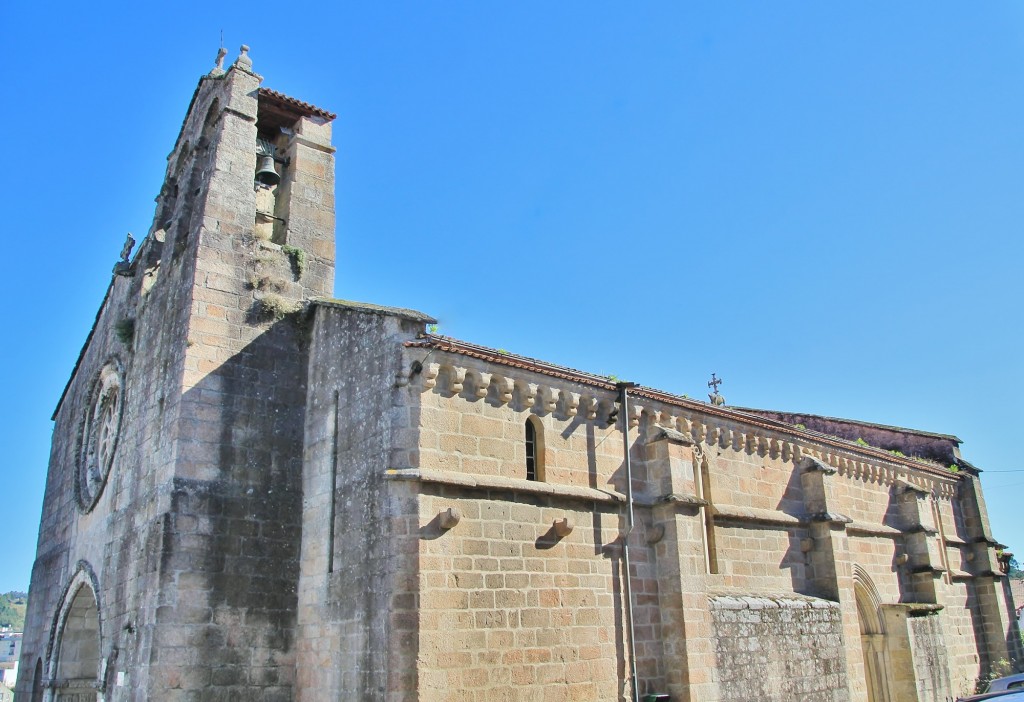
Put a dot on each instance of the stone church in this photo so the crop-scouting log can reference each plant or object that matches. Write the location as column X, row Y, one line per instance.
column 260, row 493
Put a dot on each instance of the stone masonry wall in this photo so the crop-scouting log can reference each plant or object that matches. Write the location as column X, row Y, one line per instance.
column 357, row 590
column 930, row 658
column 512, row 611
column 748, row 512
column 779, row 649
column 121, row 538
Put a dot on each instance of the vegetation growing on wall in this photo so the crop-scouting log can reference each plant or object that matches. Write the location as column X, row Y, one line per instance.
column 276, row 307
column 125, row 331
column 297, row 257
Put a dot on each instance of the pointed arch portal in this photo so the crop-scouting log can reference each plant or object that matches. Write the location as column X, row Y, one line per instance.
column 74, row 669
column 872, row 637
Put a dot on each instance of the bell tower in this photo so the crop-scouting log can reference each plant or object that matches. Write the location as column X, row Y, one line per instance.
column 172, row 515
column 256, row 227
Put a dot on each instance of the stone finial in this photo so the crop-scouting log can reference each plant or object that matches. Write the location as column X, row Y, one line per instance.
column 124, row 267
column 126, row 250
column 243, row 60
column 218, row 66
column 715, row 397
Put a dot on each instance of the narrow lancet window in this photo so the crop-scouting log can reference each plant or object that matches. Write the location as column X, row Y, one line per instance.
column 533, row 467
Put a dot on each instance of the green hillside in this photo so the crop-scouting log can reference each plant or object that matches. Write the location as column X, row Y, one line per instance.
column 12, row 610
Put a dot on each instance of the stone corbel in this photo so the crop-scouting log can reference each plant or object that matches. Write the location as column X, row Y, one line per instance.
column 429, row 375
column 750, row 439
column 634, row 415
column 590, row 407
column 527, row 393
column 571, row 402
column 714, row 435
column 548, row 399
column 683, row 425
column 506, row 388
column 605, row 408
column 789, row 450
column 456, row 379
column 481, row 382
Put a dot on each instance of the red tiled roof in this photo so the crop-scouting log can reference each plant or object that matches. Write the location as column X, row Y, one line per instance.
column 304, row 108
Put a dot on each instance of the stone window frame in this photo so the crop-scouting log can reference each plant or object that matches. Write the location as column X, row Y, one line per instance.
column 98, row 435
column 533, row 443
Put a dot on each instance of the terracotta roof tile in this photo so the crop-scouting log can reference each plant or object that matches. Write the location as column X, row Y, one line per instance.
column 298, row 105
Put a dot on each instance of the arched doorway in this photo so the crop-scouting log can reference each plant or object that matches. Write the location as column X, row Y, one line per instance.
column 37, row 682
column 73, row 669
column 872, row 637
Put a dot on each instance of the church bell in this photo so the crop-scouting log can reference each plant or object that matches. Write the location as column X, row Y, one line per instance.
column 266, row 174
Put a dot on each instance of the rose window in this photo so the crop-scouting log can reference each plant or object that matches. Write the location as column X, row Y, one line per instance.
column 99, row 436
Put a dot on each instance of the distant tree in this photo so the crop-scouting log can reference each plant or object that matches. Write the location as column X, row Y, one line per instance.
column 1015, row 571
column 12, row 611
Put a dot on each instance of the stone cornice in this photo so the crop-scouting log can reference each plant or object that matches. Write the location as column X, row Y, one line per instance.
column 697, row 419
column 750, row 514
column 494, row 482
column 866, row 529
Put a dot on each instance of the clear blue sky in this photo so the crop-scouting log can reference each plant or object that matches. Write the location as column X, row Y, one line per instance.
column 820, row 202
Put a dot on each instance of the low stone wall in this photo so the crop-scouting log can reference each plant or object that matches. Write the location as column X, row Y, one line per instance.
column 775, row 648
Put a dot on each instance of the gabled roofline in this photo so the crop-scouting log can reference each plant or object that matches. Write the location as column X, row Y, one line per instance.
column 81, row 353
column 857, row 422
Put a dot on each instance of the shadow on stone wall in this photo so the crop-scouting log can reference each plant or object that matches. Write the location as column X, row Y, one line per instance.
column 230, row 558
